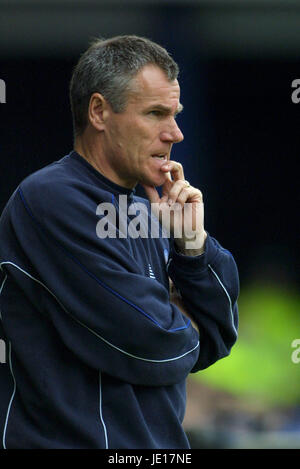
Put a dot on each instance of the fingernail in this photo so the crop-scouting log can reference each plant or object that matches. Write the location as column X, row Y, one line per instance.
column 170, row 202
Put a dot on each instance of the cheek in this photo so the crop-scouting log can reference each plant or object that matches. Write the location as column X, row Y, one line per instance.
column 135, row 138
column 138, row 143
column 148, row 138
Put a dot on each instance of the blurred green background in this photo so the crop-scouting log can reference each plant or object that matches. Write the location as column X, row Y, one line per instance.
column 260, row 367
column 251, row 397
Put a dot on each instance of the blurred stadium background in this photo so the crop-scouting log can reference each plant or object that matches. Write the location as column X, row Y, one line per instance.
column 238, row 60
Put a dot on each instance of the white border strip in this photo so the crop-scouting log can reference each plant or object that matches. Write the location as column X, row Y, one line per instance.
column 100, row 412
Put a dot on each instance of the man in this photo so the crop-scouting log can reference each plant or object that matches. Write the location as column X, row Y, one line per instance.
column 99, row 348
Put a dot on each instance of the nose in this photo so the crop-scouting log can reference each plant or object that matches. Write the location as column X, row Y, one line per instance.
column 172, row 135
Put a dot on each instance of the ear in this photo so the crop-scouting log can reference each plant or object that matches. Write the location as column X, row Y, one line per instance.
column 98, row 111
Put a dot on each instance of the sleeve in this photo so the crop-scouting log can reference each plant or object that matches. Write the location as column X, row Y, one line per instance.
column 103, row 307
column 209, row 287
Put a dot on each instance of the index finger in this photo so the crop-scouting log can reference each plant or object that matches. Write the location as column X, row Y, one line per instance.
column 175, row 169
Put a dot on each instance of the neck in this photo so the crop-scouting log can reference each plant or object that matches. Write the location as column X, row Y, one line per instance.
column 90, row 147
column 89, row 151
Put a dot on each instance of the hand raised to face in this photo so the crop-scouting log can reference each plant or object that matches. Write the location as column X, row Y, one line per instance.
column 184, row 205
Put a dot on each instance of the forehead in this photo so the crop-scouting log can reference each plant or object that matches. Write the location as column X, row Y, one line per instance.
column 152, row 86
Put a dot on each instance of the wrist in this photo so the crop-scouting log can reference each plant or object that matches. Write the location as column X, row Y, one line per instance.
column 194, row 247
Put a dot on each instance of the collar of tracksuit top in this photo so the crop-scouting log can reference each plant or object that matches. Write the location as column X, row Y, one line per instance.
column 111, row 186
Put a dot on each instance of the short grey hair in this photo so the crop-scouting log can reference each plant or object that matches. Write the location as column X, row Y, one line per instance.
column 108, row 67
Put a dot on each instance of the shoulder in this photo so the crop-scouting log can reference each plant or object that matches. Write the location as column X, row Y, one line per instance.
column 62, row 185
column 47, row 181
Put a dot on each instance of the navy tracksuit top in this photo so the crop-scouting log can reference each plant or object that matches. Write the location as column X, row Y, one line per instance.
column 96, row 356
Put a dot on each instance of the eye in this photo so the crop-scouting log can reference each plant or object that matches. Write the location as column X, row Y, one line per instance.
column 155, row 113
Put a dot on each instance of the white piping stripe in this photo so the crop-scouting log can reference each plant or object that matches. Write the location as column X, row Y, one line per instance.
column 227, row 294
column 2, row 286
column 11, row 399
column 95, row 333
column 100, row 411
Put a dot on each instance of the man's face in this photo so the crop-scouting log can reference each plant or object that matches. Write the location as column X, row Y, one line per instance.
column 137, row 141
